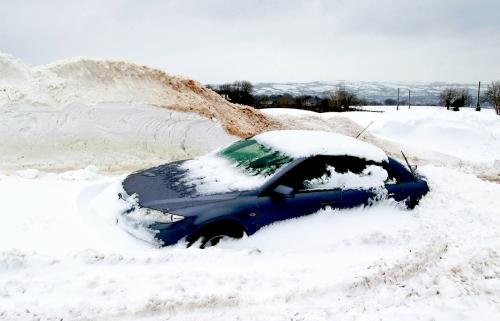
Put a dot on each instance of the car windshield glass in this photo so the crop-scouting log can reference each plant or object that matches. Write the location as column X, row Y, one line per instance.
column 254, row 158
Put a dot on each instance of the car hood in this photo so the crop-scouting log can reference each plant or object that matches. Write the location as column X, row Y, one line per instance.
column 161, row 188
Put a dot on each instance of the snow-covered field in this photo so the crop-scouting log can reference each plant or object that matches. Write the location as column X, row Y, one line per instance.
column 62, row 258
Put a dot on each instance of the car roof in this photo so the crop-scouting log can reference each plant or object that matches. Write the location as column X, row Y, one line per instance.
column 306, row 143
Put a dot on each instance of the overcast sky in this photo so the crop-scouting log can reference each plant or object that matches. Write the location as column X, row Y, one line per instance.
column 267, row 41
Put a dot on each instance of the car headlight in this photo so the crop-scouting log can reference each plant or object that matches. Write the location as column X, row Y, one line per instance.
column 150, row 215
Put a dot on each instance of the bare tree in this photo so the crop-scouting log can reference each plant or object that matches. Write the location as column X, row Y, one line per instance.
column 342, row 99
column 240, row 92
column 390, row 102
column 462, row 98
column 447, row 96
column 456, row 98
column 492, row 95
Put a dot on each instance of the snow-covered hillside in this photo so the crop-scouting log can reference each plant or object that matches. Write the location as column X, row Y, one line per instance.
column 422, row 93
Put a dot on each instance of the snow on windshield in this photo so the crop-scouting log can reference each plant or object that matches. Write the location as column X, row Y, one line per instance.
column 372, row 176
column 242, row 166
column 212, row 174
column 304, row 143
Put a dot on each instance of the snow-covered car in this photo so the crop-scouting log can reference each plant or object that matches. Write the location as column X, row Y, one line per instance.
column 254, row 182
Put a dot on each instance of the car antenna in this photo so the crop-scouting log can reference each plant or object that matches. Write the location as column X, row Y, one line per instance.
column 412, row 168
column 361, row 132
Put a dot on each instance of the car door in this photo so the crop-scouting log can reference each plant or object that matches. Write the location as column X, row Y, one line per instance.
column 360, row 180
column 306, row 200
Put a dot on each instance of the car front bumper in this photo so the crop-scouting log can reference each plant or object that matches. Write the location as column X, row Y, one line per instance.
column 158, row 234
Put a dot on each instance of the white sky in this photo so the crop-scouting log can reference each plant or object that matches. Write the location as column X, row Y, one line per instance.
column 215, row 41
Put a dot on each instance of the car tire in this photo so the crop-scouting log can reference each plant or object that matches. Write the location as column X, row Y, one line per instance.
column 212, row 235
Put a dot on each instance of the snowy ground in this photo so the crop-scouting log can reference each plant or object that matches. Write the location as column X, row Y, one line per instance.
column 61, row 258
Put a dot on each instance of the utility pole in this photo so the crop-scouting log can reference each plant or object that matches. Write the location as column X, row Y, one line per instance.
column 409, row 97
column 397, row 107
column 478, row 107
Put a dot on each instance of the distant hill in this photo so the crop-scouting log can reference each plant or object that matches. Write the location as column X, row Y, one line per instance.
column 421, row 93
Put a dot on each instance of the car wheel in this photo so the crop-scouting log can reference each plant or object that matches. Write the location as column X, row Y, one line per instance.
column 212, row 235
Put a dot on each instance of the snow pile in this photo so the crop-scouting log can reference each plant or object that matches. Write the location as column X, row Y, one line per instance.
column 467, row 134
column 211, row 174
column 372, row 176
column 82, row 81
column 60, row 259
column 304, row 143
column 116, row 115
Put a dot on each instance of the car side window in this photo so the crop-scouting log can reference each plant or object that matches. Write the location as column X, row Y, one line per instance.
column 309, row 169
column 334, row 172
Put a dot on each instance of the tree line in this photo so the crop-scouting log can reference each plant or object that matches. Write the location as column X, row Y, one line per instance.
column 342, row 99
column 242, row 92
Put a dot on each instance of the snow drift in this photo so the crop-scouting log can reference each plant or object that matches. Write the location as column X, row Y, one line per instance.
column 114, row 137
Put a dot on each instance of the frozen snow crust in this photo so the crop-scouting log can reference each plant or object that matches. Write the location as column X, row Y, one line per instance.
column 304, row 143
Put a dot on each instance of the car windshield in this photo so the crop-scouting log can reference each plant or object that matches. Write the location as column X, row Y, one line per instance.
column 254, row 158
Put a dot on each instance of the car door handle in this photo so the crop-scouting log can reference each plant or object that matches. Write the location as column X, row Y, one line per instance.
column 328, row 203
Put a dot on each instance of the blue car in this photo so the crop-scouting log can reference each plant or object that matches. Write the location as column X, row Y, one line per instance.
column 255, row 182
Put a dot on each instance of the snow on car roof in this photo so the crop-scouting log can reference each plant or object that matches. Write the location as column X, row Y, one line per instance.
column 304, row 143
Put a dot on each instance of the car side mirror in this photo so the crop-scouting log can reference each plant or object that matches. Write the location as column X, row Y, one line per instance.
column 282, row 191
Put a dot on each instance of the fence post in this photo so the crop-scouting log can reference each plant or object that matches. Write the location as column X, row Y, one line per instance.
column 397, row 107
column 478, row 107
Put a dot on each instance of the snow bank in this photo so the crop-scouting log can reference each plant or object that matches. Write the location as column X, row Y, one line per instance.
column 82, row 81
column 303, row 143
column 467, row 134
column 113, row 137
